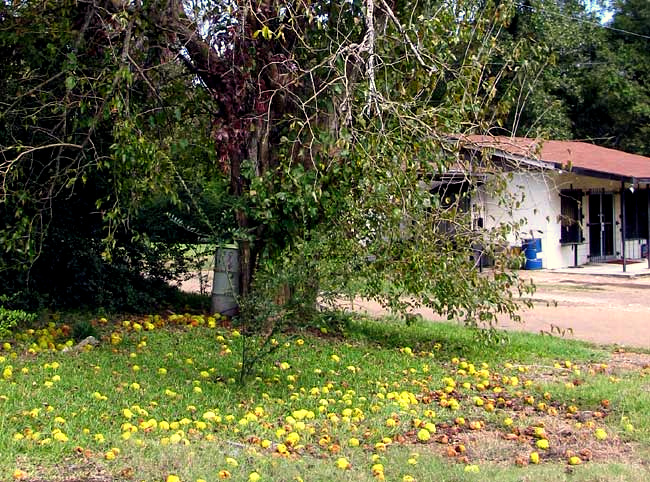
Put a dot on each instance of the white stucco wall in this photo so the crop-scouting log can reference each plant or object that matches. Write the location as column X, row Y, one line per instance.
column 540, row 210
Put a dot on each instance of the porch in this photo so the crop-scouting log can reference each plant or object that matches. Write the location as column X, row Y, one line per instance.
column 634, row 268
column 589, row 206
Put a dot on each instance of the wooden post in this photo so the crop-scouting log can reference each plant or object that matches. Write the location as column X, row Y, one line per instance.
column 623, row 225
column 647, row 243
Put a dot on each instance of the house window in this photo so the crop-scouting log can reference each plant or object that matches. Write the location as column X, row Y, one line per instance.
column 454, row 204
column 571, row 216
column 453, row 194
column 636, row 214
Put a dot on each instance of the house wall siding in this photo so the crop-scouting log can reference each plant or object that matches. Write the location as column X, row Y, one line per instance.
column 537, row 211
column 540, row 209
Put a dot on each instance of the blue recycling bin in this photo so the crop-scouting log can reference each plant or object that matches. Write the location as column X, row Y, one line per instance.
column 532, row 248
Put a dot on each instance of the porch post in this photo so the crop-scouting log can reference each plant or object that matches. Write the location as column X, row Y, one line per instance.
column 623, row 225
column 647, row 243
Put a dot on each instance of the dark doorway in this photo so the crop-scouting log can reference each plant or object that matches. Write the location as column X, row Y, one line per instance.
column 601, row 227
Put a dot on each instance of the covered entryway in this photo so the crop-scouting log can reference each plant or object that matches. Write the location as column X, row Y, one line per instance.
column 601, row 227
column 589, row 203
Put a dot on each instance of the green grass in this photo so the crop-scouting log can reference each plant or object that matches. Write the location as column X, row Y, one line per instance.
column 345, row 386
column 457, row 341
column 629, row 394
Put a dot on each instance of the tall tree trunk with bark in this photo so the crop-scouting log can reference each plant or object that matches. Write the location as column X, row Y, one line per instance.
column 241, row 70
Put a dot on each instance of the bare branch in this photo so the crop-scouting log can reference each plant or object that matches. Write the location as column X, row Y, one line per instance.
column 389, row 11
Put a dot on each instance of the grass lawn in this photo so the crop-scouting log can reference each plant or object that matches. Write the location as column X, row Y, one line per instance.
column 157, row 400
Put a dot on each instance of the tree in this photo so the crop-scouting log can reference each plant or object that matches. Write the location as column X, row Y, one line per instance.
column 557, row 41
column 341, row 114
column 615, row 101
column 580, row 79
column 95, row 121
column 330, row 121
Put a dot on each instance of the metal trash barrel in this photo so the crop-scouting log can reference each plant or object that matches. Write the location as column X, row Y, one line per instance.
column 225, row 285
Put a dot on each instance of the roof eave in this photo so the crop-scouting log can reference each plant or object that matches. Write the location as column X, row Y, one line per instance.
column 555, row 165
column 612, row 176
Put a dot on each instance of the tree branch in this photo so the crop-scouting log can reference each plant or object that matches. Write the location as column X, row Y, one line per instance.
column 402, row 31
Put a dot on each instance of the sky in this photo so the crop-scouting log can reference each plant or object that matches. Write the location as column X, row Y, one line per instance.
column 602, row 7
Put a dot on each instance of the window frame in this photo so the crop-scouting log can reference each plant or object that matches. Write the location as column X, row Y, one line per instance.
column 571, row 232
column 636, row 227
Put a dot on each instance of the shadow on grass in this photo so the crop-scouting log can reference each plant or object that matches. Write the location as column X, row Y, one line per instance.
column 448, row 340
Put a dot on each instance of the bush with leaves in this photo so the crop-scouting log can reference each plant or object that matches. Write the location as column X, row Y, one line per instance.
column 11, row 319
column 328, row 123
column 93, row 137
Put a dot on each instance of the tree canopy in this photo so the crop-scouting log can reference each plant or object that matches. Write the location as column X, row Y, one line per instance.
column 590, row 81
column 96, row 121
column 310, row 133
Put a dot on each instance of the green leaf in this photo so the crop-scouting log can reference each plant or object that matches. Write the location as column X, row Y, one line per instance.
column 70, row 83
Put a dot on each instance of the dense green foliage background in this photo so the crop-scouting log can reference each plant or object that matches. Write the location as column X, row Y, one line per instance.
column 583, row 79
column 305, row 132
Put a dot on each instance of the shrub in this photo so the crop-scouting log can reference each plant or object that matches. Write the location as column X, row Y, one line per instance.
column 10, row 319
column 82, row 329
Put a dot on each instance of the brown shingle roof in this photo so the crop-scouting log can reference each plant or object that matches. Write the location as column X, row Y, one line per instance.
column 580, row 157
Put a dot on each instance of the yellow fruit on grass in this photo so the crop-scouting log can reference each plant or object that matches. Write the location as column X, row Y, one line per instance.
column 424, row 435
column 600, row 434
column 542, row 444
column 19, row 474
column 342, row 463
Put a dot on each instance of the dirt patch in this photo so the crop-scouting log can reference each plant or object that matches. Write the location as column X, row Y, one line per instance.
column 567, row 437
column 620, row 363
column 81, row 469
column 623, row 361
column 569, row 432
column 601, row 284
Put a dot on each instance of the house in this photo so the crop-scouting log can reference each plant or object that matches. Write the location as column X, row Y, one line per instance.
column 587, row 204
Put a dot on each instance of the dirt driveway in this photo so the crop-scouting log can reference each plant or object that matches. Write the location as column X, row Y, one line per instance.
column 597, row 308
column 600, row 309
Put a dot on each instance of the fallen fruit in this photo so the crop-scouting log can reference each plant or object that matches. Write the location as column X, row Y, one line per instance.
column 542, row 444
